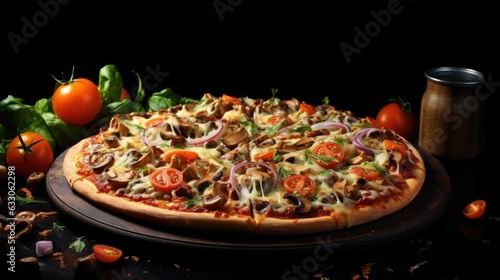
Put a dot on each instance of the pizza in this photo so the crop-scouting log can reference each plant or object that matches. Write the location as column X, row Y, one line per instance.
column 255, row 166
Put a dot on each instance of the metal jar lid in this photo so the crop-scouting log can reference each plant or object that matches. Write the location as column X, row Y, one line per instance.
column 454, row 76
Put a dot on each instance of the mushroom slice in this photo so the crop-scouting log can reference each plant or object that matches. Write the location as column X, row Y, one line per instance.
column 195, row 170
column 351, row 191
column 98, row 162
column 263, row 141
column 302, row 204
column 327, row 198
column 135, row 159
column 214, row 203
column 304, row 143
column 117, row 125
column 362, row 157
column 111, row 139
column 117, row 179
column 234, row 138
column 204, row 172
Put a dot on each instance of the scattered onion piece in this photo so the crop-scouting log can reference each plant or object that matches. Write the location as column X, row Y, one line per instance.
column 44, row 248
column 356, row 141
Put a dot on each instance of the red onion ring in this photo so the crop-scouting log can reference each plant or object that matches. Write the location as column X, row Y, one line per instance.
column 356, row 140
column 288, row 128
column 211, row 135
column 330, row 125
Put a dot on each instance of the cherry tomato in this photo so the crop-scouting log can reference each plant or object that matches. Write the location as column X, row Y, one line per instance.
column 299, row 183
column 475, row 209
column 29, row 152
column 153, row 122
column 77, row 101
column 373, row 122
column 124, row 94
column 264, row 155
column 310, row 109
column 184, row 155
column 166, row 179
column 279, row 119
column 398, row 116
column 106, row 253
column 368, row 174
column 329, row 154
column 230, row 99
column 391, row 146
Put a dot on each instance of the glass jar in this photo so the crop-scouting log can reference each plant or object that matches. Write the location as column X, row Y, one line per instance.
column 452, row 113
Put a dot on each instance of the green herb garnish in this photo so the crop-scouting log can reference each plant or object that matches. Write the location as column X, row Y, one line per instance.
column 283, row 172
column 274, row 92
column 323, row 159
column 193, row 201
column 277, row 157
column 56, row 227
column 78, row 244
column 25, row 200
column 326, row 100
column 302, row 128
column 252, row 127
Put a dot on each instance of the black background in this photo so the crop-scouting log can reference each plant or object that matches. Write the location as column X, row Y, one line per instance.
column 253, row 46
column 245, row 48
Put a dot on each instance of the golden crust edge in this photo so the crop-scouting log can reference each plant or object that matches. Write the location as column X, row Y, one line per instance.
column 267, row 226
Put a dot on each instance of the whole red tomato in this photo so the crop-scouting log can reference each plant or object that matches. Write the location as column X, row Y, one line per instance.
column 124, row 94
column 77, row 101
column 399, row 117
column 29, row 152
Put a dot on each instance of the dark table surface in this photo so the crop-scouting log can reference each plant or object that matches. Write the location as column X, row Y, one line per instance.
column 450, row 247
column 256, row 46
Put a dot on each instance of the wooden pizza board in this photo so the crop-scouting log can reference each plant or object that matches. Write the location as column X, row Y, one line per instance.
column 425, row 209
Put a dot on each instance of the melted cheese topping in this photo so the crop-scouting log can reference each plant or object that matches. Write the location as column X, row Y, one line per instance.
column 337, row 189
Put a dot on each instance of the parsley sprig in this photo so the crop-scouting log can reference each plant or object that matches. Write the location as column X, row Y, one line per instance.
column 78, row 244
column 25, row 200
column 283, row 172
column 252, row 127
column 56, row 227
column 271, row 130
column 324, row 159
column 193, row 201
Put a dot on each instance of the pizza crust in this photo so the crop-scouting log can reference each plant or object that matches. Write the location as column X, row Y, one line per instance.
column 242, row 224
column 146, row 213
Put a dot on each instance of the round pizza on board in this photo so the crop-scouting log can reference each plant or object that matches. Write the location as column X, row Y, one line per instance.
column 228, row 164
